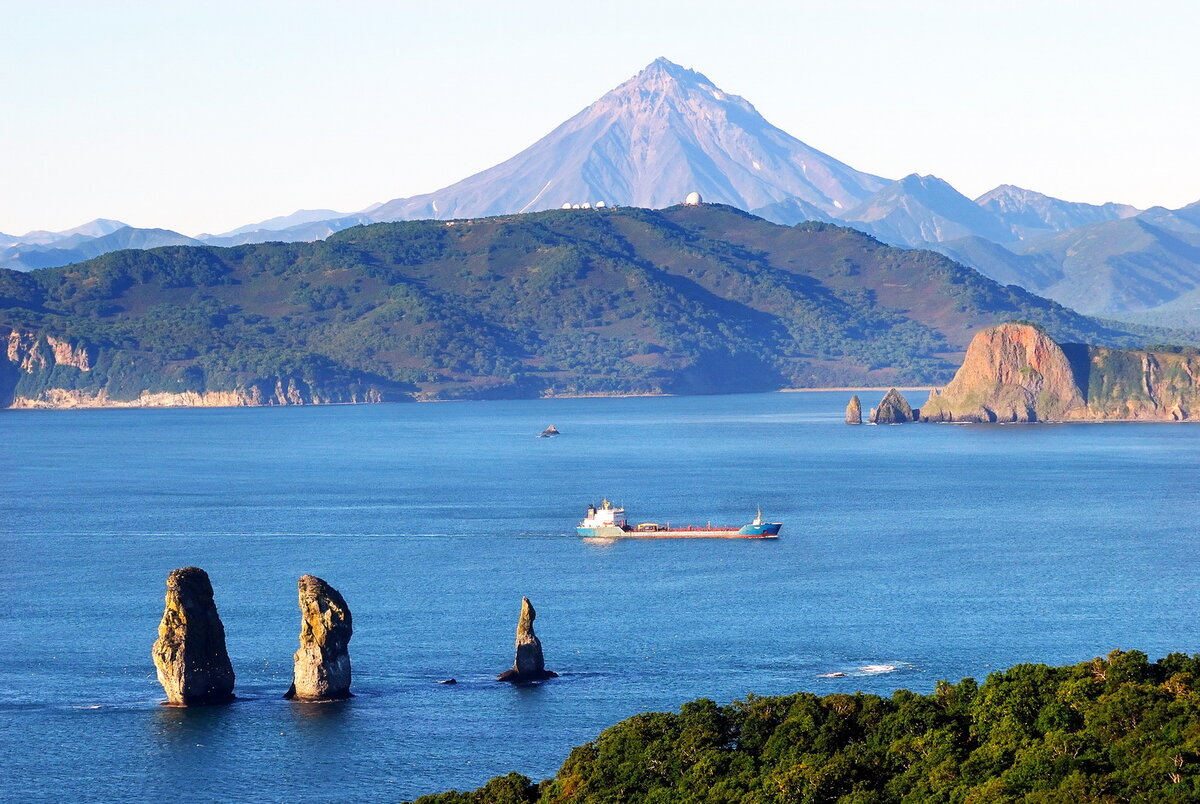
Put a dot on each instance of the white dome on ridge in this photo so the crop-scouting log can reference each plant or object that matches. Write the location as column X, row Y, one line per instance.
column 693, row 199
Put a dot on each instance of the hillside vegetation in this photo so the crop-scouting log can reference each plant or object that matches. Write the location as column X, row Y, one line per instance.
column 1115, row 729
column 703, row 299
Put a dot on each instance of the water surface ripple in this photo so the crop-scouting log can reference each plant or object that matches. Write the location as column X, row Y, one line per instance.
column 908, row 554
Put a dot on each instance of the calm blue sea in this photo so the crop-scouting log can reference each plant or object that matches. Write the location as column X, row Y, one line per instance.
column 936, row 551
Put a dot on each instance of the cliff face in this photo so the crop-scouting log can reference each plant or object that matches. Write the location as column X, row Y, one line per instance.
column 1017, row 373
column 1126, row 384
column 40, row 370
column 30, row 352
column 283, row 393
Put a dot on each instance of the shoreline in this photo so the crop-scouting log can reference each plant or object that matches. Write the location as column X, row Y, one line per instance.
column 131, row 405
column 881, row 388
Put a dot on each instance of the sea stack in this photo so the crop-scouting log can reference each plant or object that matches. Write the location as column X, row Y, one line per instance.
column 854, row 411
column 529, row 665
column 893, row 409
column 322, row 671
column 189, row 654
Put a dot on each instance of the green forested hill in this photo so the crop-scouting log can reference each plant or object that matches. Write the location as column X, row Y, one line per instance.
column 700, row 299
column 1115, row 729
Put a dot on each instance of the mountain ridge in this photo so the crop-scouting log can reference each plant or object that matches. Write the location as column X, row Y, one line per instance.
column 668, row 131
column 690, row 299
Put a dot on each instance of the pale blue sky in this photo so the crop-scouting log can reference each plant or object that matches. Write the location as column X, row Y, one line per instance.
column 202, row 116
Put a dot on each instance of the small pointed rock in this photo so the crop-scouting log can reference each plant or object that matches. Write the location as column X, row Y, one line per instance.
column 322, row 664
column 189, row 654
column 854, row 411
column 529, row 664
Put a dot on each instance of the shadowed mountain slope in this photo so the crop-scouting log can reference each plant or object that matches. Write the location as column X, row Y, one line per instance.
column 1122, row 267
column 1032, row 214
column 917, row 210
column 84, row 245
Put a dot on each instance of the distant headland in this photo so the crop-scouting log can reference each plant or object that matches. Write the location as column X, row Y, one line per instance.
column 1017, row 373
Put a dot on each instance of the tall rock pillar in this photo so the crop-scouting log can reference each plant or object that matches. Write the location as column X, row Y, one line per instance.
column 854, row 411
column 322, row 664
column 529, row 664
column 189, row 654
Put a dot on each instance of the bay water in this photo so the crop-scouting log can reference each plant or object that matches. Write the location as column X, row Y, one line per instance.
column 908, row 554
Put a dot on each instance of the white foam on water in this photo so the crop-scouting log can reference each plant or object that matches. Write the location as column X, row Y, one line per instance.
column 875, row 669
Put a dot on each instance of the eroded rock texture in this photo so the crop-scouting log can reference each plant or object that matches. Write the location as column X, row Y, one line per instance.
column 854, row 411
column 893, row 409
column 189, row 654
column 322, row 664
column 529, row 664
column 1011, row 373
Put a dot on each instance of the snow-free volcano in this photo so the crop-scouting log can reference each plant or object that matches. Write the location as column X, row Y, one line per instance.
column 664, row 133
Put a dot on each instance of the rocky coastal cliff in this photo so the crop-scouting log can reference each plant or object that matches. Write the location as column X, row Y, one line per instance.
column 1017, row 373
column 41, row 370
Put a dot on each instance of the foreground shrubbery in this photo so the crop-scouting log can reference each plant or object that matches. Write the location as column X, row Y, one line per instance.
column 1112, row 729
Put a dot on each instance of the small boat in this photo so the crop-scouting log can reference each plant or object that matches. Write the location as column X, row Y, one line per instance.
column 608, row 522
column 549, row 432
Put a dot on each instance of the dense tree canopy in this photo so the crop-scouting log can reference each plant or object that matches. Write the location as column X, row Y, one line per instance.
column 1115, row 729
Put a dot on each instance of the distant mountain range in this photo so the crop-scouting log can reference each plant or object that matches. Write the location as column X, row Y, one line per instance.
column 56, row 251
column 669, row 131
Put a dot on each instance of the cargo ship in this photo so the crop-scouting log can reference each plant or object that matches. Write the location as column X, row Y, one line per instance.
column 608, row 522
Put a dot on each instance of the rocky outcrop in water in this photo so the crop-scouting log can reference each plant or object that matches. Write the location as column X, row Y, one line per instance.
column 322, row 664
column 189, row 654
column 893, row 409
column 1017, row 373
column 1011, row 373
column 854, row 411
column 529, row 664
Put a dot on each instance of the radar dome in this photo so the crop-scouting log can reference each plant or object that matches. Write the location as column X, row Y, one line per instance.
column 567, row 205
column 599, row 205
column 693, row 199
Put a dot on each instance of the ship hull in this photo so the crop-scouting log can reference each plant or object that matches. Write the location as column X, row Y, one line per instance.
column 767, row 530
